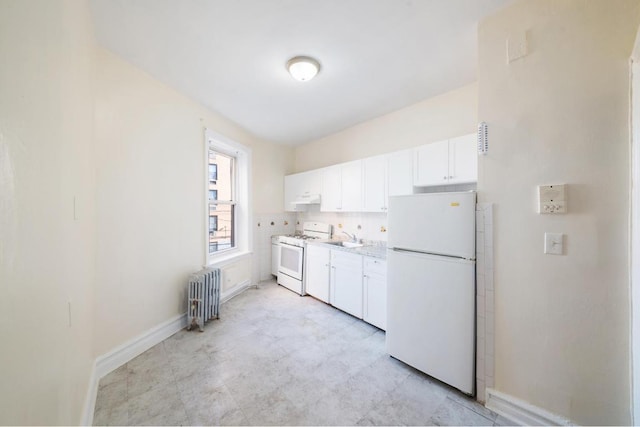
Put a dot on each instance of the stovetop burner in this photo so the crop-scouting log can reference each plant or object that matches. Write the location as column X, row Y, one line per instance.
column 301, row 236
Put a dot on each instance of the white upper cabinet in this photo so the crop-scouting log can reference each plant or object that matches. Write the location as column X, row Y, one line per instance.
column 452, row 161
column 331, row 200
column 342, row 187
column 365, row 185
column 298, row 186
column 291, row 189
column 432, row 164
column 400, row 173
column 352, row 186
column 463, row 159
column 374, row 184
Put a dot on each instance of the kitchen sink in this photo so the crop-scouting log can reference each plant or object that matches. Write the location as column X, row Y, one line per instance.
column 347, row 244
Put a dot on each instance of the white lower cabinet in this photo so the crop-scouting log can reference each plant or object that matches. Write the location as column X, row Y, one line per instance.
column 346, row 282
column 375, row 292
column 317, row 272
column 353, row 283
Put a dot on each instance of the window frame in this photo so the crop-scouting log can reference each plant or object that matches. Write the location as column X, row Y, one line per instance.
column 241, row 196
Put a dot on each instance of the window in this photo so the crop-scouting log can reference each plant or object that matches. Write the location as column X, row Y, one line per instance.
column 227, row 198
column 221, row 201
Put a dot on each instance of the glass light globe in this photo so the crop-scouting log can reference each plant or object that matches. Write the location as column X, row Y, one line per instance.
column 303, row 68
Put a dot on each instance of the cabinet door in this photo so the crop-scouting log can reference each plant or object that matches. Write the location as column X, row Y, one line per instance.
column 331, row 200
column 312, row 183
column 463, row 159
column 292, row 190
column 374, row 183
column 352, row 186
column 432, row 164
column 346, row 282
column 317, row 273
column 400, row 173
column 375, row 292
column 375, row 300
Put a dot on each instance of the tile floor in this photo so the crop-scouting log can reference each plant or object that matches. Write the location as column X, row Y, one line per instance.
column 275, row 358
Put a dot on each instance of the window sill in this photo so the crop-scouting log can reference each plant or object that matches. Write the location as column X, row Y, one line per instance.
column 227, row 258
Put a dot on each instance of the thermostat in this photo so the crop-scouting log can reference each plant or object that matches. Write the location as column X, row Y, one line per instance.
column 552, row 199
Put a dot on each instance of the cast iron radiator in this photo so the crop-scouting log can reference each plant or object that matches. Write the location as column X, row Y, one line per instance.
column 204, row 297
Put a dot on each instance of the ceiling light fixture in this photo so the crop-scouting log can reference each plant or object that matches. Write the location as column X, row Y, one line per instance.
column 303, row 68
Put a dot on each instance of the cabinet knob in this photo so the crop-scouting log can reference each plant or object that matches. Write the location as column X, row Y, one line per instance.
column 450, row 177
column 444, row 177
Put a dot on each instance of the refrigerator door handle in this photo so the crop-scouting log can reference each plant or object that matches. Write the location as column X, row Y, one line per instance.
column 413, row 251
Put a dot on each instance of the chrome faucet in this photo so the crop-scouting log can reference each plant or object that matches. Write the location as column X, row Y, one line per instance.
column 353, row 237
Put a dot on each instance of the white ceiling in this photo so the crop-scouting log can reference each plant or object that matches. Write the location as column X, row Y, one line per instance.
column 376, row 55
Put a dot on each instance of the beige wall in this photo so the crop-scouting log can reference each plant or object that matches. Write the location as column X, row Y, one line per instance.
column 451, row 114
column 560, row 115
column 46, row 256
column 151, row 198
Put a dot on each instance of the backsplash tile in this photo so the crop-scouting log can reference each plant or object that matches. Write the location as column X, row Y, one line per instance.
column 368, row 226
column 484, row 295
column 265, row 226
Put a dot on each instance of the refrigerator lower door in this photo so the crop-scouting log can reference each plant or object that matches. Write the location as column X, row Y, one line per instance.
column 431, row 316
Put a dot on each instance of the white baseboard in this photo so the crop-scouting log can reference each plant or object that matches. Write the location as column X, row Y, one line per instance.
column 236, row 290
column 122, row 354
column 117, row 357
column 520, row 412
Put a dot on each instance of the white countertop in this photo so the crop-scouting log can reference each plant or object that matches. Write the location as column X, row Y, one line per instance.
column 378, row 250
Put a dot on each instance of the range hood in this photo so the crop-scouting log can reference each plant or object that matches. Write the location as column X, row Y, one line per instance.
column 307, row 199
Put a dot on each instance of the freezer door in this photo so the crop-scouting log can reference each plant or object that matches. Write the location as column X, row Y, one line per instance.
column 440, row 223
column 431, row 316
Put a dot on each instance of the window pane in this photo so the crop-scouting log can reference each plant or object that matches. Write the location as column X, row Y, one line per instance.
column 224, row 173
column 213, row 169
column 221, row 227
column 221, row 195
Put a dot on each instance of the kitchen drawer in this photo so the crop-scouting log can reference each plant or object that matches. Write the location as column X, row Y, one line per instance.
column 346, row 259
column 374, row 265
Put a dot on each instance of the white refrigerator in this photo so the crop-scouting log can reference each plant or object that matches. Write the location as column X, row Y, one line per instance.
column 431, row 285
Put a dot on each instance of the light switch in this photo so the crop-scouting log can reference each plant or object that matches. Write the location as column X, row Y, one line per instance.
column 553, row 243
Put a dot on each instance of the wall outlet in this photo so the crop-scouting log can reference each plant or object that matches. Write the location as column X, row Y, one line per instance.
column 552, row 199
